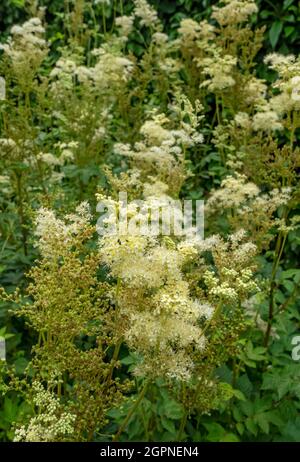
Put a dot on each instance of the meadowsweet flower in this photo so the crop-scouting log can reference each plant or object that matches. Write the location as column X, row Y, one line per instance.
column 49, row 159
column 174, row 300
column 266, row 120
column 111, row 68
column 159, row 38
column 256, row 90
column 67, row 151
column 7, row 143
column 234, row 278
column 155, row 189
column 51, row 424
column 234, row 11
column 242, row 119
column 289, row 98
column 170, row 315
column 26, row 49
column 4, row 179
column 189, row 29
column 63, row 66
column 187, row 250
column 234, row 191
column 192, row 31
column 205, row 309
column 125, row 23
column 154, row 132
column 54, row 235
column 163, row 148
column 219, row 69
column 281, row 63
column 288, row 69
column 9, row 148
column 146, row 13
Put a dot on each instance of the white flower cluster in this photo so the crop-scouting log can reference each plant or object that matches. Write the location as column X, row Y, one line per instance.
column 125, row 23
column 111, row 69
column 9, row 148
column 245, row 197
column 234, row 11
column 27, row 47
column 146, row 13
column 191, row 31
column 255, row 90
column 264, row 120
column 234, row 191
column 234, row 279
column 30, row 33
column 219, row 69
column 162, row 147
column 51, row 423
column 54, row 235
column 288, row 69
column 162, row 317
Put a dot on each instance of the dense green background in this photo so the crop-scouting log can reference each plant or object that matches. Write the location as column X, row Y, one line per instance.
column 280, row 17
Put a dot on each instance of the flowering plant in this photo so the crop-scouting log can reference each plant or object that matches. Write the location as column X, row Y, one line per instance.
column 127, row 335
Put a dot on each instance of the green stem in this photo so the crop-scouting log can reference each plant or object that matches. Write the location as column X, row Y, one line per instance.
column 278, row 254
column 131, row 412
column 182, row 426
column 120, row 340
column 103, row 19
column 21, row 212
